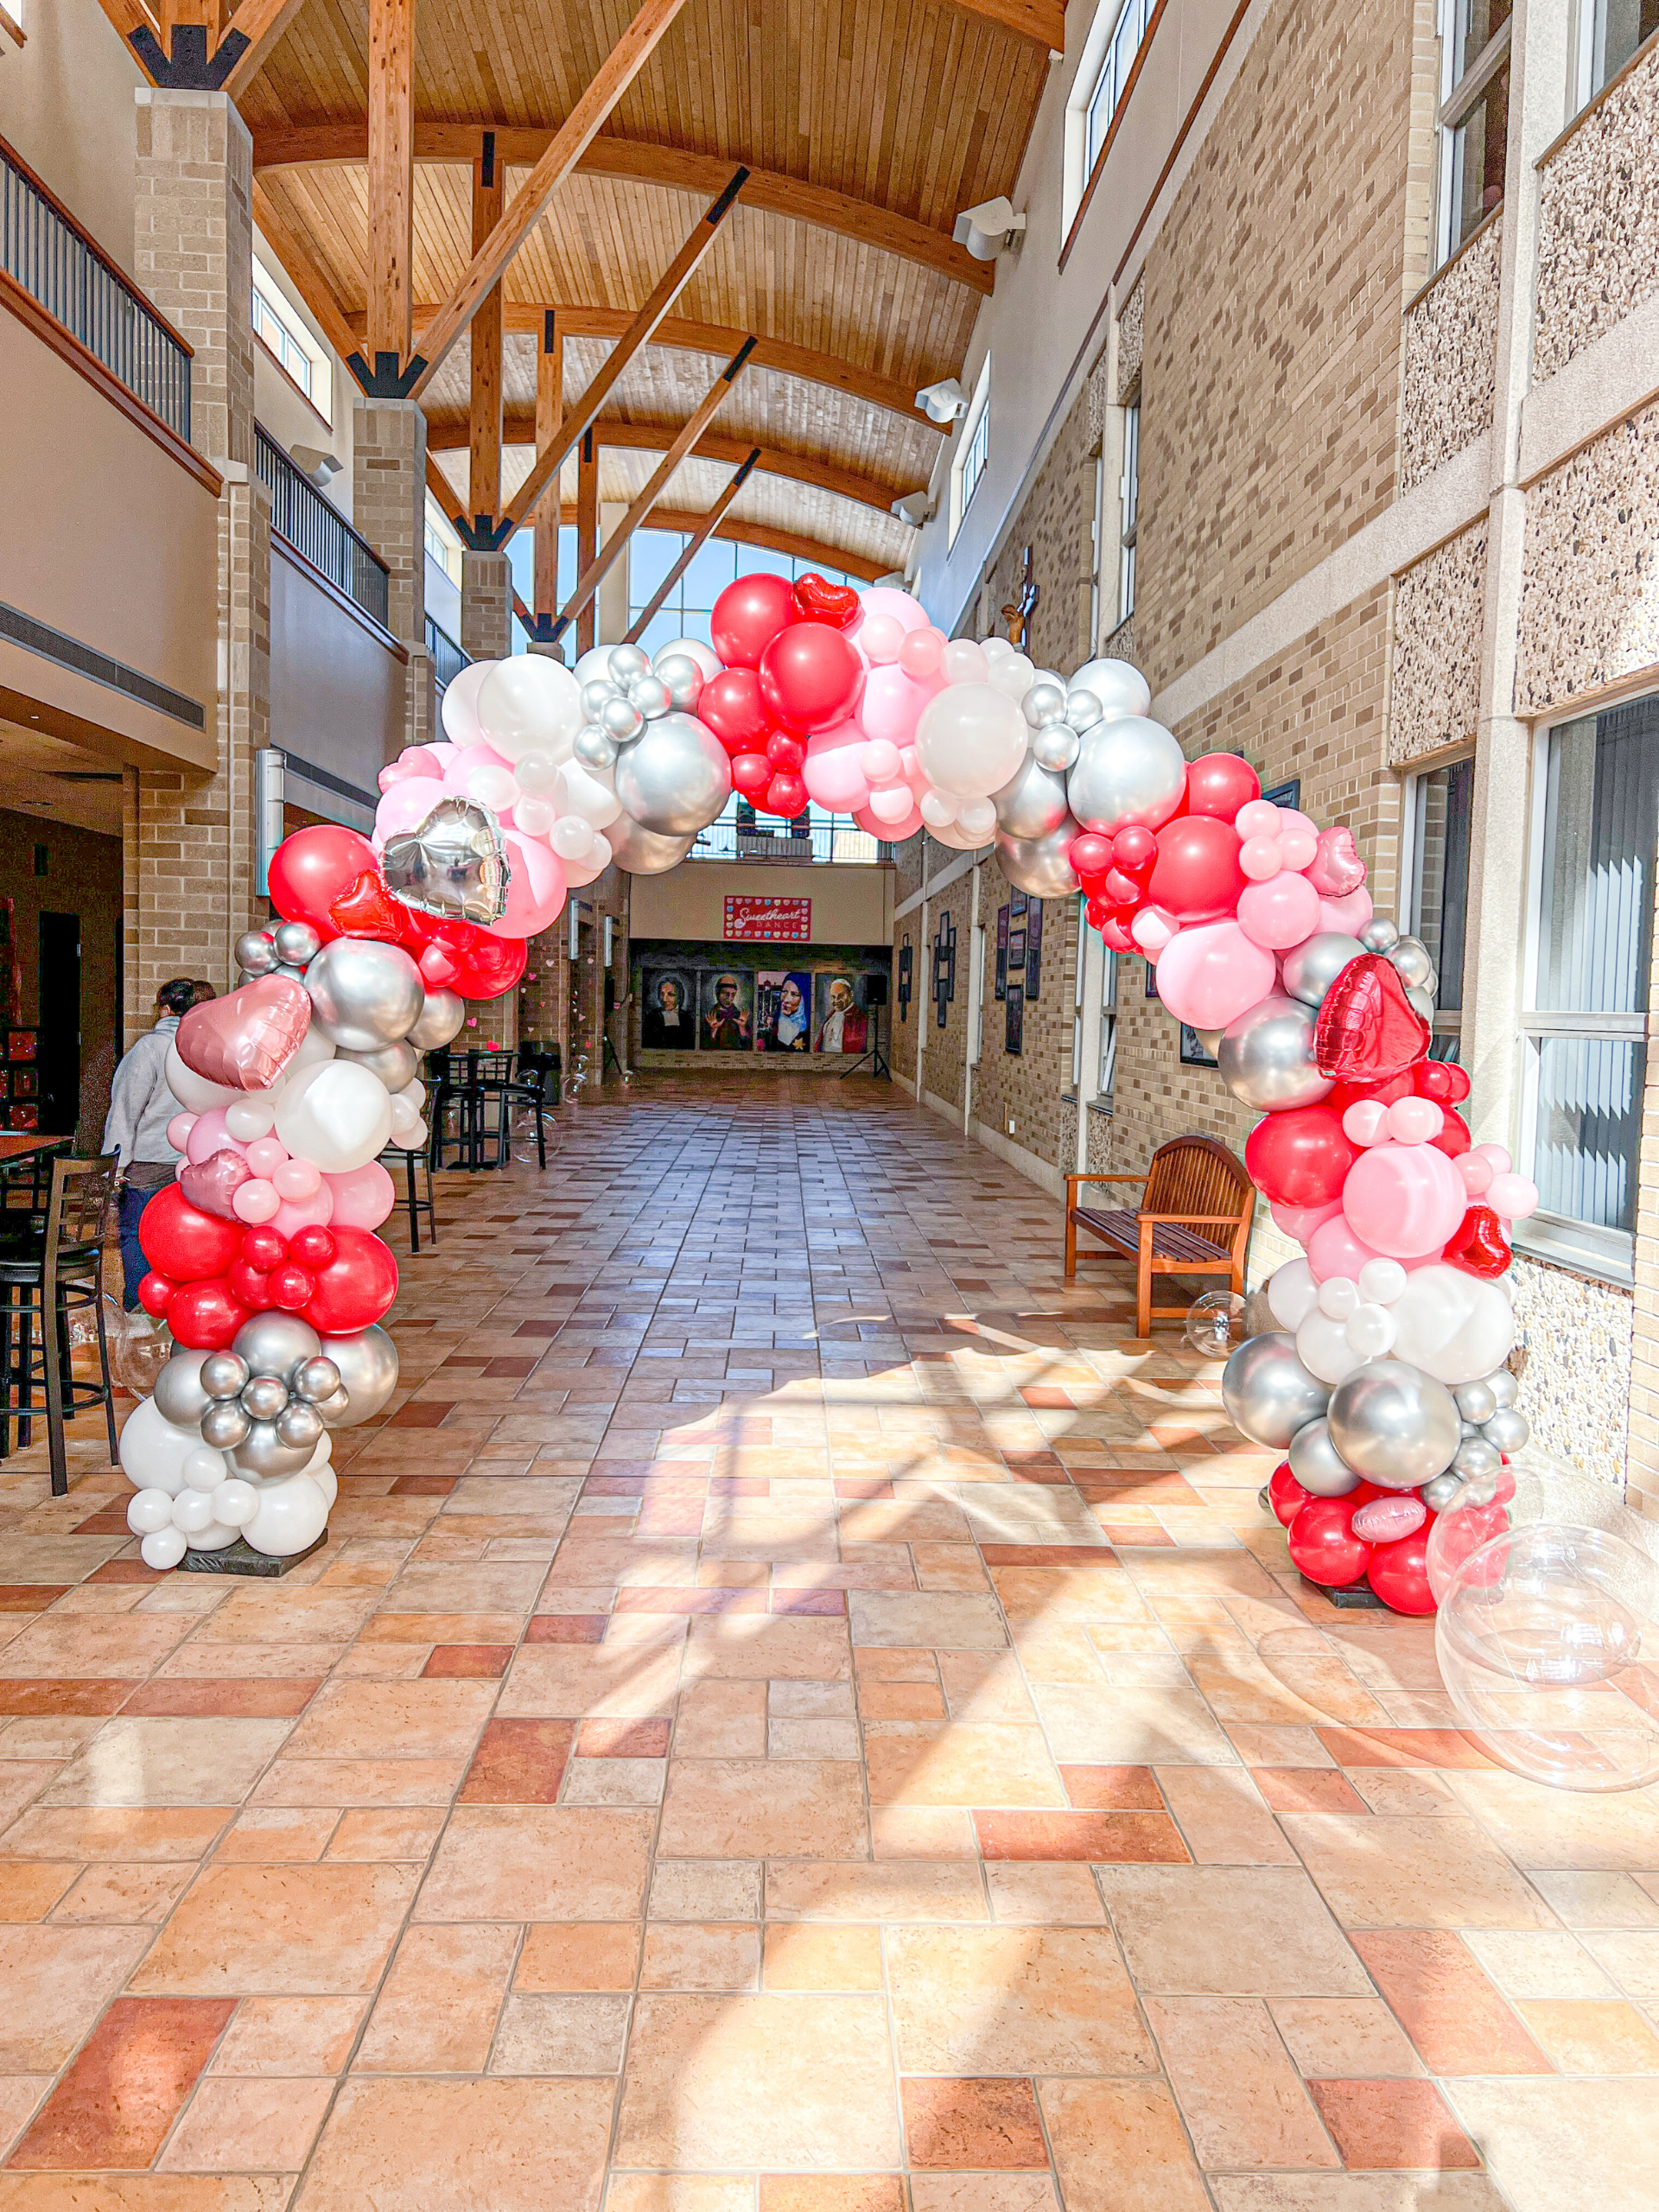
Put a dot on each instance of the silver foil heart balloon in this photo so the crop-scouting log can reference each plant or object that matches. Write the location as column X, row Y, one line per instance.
column 453, row 864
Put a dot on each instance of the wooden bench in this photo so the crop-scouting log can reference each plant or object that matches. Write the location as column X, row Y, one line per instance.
column 1193, row 1220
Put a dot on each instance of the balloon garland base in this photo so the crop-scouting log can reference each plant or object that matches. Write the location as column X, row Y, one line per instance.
column 1358, row 1597
column 240, row 1558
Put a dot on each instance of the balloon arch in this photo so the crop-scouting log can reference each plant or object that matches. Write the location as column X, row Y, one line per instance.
column 1384, row 1381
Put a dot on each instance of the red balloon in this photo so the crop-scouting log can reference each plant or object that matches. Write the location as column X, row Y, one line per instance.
column 1399, row 1573
column 809, row 676
column 265, row 1247
column 1196, row 876
column 155, row 1294
column 204, row 1317
column 785, row 753
column 750, row 774
column 1286, row 1495
column 1219, row 784
column 1115, row 935
column 248, row 1286
column 184, row 1243
column 436, row 967
column 313, row 1247
column 1089, row 853
column 785, row 795
column 1477, row 1244
column 356, row 1287
column 481, row 965
column 291, row 1287
column 1098, row 912
column 1122, row 890
column 1324, row 1548
column 368, row 909
column 1454, row 1137
column 1299, row 1158
column 1134, row 848
column 747, row 616
column 1342, row 1096
column 732, row 706
column 1367, row 1026
column 312, row 869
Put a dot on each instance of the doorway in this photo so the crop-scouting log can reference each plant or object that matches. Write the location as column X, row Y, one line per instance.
column 59, row 1050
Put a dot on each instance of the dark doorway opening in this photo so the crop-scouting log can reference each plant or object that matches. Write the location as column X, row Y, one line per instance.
column 59, row 1045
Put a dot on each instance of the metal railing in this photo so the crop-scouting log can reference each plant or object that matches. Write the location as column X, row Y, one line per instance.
column 47, row 254
column 317, row 531
column 830, row 837
column 448, row 658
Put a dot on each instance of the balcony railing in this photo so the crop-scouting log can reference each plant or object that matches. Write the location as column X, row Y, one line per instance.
column 830, row 837
column 448, row 658
column 318, row 531
column 47, row 254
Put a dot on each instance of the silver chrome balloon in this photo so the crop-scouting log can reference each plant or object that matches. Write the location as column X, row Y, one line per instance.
column 1394, row 1425
column 628, row 661
column 314, row 1380
column 1477, row 1401
column 682, row 679
column 1082, row 709
column 620, row 719
column 596, row 696
column 1317, row 1464
column 1508, row 1429
column 1056, row 745
column 1439, row 1494
column 438, row 1020
column 365, row 995
column 1267, row 1056
column 1420, row 1002
column 642, row 852
column 1505, row 1388
column 1311, row 968
column 1267, row 1393
column 1119, row 686
column 1033, row 800
column 299, row 1424
column 1043, row 704
column 262, row 1452
column 1128, row 771
column 296, row 942
column 336, row 1411
column 677, row 778
column 263, row 1397
column 1409, row 956
column 275, row 1342
column 179, row 1394
column 1475, row 1459
column 224, row 1425
column 650, row 694
column 1039, row 865
column 223, row 1374
column 453, row 864
column 594, row 747
column 1379, row 935
column 396, row 1065
column 367, row 1360
column 255, row 952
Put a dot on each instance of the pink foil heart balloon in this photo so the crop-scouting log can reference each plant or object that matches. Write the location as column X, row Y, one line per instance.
column 1337, row 868
column 247, row 1038
column 1385, row 1520
column 212, row 1184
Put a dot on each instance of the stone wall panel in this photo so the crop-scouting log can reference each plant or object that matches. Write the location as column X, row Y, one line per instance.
column 1589, row 609
column 1438, row 614
column 1451, row 359
column 1598, row 220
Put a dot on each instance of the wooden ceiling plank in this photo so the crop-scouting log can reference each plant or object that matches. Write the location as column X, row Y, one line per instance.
column 615, row 74
column 263, row 25
column 693, row 546
column 392, row 187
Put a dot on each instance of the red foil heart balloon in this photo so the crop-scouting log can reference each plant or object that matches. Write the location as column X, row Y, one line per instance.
column 246, row 1039
column 1478, row 1245
column 1367, row 1028
column 820, row 600
column 211, row 1184
column 367, row 909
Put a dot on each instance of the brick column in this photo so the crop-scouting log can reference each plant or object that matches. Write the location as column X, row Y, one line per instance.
column 389, row 509
column 189, row 840
column 485, row 606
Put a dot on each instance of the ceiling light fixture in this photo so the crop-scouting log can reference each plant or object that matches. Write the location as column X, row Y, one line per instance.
column 991, row 228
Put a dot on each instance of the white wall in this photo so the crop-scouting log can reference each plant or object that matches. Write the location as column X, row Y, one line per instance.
column 283, row 409
column 66, row 106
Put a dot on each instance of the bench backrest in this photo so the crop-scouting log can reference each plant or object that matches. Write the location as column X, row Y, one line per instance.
column 1196, row 1175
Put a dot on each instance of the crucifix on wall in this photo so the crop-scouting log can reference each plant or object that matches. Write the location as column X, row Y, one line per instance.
column 1017, row 613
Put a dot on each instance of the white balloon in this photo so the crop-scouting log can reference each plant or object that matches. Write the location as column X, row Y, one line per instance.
column 1453, row 1325
column 1012, row 672
column 571, row 837
column 536, row 776
column 193, row 1511
column 412, row 1138
column 414, row 1093
column 1370, row 1330
column 1322, row 1346
column 292, row 1515
column 975, row 818
column 193, row 1092
column 535, row 816
column 594, row 667
column 970, row 739
column 496, row 788
column 530, row 705
column 1122, row 689
column 213, row 1537
column 235, row 1503
column 693, row 648
column 936, row 810
column 253, row 1115
column 337, row 1116
column 578, row 873
column 325, row 1478
column 154, row 1449
column 204, row 1468
column 148, row 1511
column 591, row 793
column 894, row 804
column 995, row 649
column 1381, row 1281
column 1292, row 1294
column 313, row 1048
column 1338, row 1295
column 164, row 1549
column 460, row 708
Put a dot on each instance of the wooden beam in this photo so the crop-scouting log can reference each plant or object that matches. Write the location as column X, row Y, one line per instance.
column 127, row 16
column 663, row 293
column 550, row 418
column 263, row 25
column 616, row 72
column 694, row 545
column 391, row 190
column 484, row 474
column 695, row 423
column 438, row 484
column 1043, row 21
column 586, row 536
column 294, row 252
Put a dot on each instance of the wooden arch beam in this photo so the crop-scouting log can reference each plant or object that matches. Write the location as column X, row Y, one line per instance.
column 630, row 161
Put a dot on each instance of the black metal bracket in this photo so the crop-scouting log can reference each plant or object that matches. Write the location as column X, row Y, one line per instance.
column 385, row 380
column 189, row 68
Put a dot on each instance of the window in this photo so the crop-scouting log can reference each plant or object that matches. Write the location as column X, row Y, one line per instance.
column 1474, row 116
column 1438, row 814
column 441, row 543
column 1096, row 549
column 717, row 563
column 1102, row 79
column 1108, row 1029
column 298, row 355
column 1585, row 993
column 974, row 451
column 1079, row 987
column 1129, row 493
column 1610, row 31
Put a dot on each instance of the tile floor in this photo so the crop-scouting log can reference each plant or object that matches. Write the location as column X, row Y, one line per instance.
column 797, row 1708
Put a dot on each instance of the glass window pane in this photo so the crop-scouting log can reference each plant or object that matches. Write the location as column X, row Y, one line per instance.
column 1601, row 818
column 1440, row 901
column 651, row 554
column 1588, row 1128
column 712, row 567
column 1620, row 26
column 758, row 560
column 662, row 629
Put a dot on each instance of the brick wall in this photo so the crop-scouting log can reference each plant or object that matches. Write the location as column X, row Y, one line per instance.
column 1028, row 1088
column 1056, row 520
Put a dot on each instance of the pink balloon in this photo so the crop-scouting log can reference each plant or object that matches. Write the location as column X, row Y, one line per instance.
column 1496, row 1158
column 1513, row 1197
column 1350, row 915
column 413, row 760
column 535, row 886
column 894, row 832
column 362, row 1199
column 406, row 805
column 1333, row 1249
column 832, row 772
column 1151, row 930
column 296, row 1179
column 1403, row 1200
column 467, row 760
column 891, row 706
column 1366, row 1122
column 178, row 1130
column 208, row 1135
column 1477, row 1173
column 1301, row 1222
column 879, row 760
column 1208, row 975
column 293, row 1215
column 918, row 656
column 1280, row 913
column 884, row 603
column 879, row 639
column 256, row 1201
column 266, row 1154
column 1385, row 1520
column 1414, row 1120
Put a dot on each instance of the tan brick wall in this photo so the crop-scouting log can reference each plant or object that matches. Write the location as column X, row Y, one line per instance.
column 946, row 1064
column 1056, row 520
column 1028, row 1088
column 903, row 1028
column 485, row 606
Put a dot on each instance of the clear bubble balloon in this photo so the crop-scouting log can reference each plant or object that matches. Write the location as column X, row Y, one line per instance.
column 1215, row 1324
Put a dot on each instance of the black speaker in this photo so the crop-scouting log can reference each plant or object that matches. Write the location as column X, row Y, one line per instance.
column 876, row 991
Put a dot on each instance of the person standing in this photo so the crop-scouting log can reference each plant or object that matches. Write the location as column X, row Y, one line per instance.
column 141, row 1106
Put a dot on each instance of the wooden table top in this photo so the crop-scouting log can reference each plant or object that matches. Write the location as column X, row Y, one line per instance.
column 18, row 1144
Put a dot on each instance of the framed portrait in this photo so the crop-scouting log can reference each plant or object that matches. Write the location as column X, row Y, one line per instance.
column 903, row 990
column 1001, row 952
column 1017, row 950
column 668, row 1010
column 840, row 1022
column 1152, row 979
column 25, row 1082
column 1013, row 1020
column 726, row 1010
column 782, row 1010
column 1193, row 1054
column 1034, row 948
column 1018, row 901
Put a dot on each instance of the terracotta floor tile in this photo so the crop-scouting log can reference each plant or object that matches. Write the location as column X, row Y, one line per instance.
column 764, row 1808
column 1118, row 1788
column 982, row 2123
column 1434, row 1747
column 115, row 2105
column 29, row 1888
column 830, row 2193
column 805, row 1956
column 272, row 1698
column 425, row 1719
column 518, row 1762
column 169, row 1761
column 1035, row 1893
column 470, row 2146
column 1592, row 2035
column 982, row 2192
column 291, row 2036
column 118, row 1895
column 896, row 1890
column 1307, row 1789
column 319, row 1930
column 487, row 1662
column 1458, row 2021
column 57, row 1981
column 239, row 2125
column 568, row 1957
column 537, row 1862
column 722, row 1720
column 623, row 1739
column 959, row 1762
column 560, row 2034
column 1224, row 1931
column 437, row 2006
column 1356, row 2037
column 1119, row 2146
column 1115, row 1838
column 1241, row 2097
column 1393, row 2126
column 1412, row 1873
column 1020, row 2000
column 566, row 1628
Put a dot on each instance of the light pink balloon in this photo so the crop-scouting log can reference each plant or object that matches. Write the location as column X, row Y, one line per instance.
column 892, row 803
column 296, row 1179
column 1333, row 1249
column 178, row 1130
column 832, row 772
column 1297, row 847
column 1403, row 1200
column 1350, row 915
column 1259, row 859
column 207, row 1135
column 413, row 760
column 1280, row 913
column 879, row 760
column 294, row 1215
column 1366, row 1122
column 1301, row 1222
column 535, row 886
column 406, row 805
column 1496, row 1158
column 1257, row 817
column 256, row 1201
column 891, row 706
column 363, row 1198
column 1208, row 975
column 879, row 639
column 1151, row 930
column 1385, row 1520
column 1514, row 1197
column 894, row 832
column 919, row 654
column 883, row 602
column 1477, row 1173
column 465, row 762
column 265, row 1155
column 1414, row 1120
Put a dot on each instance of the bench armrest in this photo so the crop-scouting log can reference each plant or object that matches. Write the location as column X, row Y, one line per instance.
column 1195, row 1220
column 1072, row 1181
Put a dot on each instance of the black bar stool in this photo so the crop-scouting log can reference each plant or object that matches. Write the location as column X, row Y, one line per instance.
column 417, row 1191
column 44, row 1282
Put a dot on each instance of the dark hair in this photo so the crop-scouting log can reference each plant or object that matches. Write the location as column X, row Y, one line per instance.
column 176, row 995
column 200, row 990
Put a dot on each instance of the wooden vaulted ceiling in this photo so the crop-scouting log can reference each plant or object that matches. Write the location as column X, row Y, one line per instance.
column 867, row 125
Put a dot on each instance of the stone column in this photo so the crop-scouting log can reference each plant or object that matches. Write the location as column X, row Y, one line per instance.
column 190, row 840
column 611, row 600
column 389, row 509
column 485, row 606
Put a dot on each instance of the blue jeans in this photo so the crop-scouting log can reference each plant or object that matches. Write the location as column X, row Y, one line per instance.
column 134, row 1266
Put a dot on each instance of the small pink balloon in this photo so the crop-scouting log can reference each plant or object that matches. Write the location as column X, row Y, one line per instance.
column 1280, row 913
column 296, row 1179
column 834, row 777
column 1477, row 1173
column 1297, row 846
column 413, row 760
column 1350, row 915
column 1208, row 975
column 266, row 1156
column 893, row 832
column 1385, row 1520
column 1366, row 1122
column 1337, row 869
column 256, row 1201
column 406, row 805
column 1496, row 1158
column 362, row 1199
column 879, row 638
column 1414, row 1120
column 1151, row 930
column 890, row 706
column 465, row 762
column 893, row 804
column 1257, row 817
column 535, row 888
column 1291, row 817
column 1301, row 1222
column 1333, row 1249
column 1258, row 858
column 208, row 1135
column 886, row 601
column 178, row 1130
column 293, row 1215
column 1512, row 1197
column 918, row 656
column 1403, row 1200
column 879, row 760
